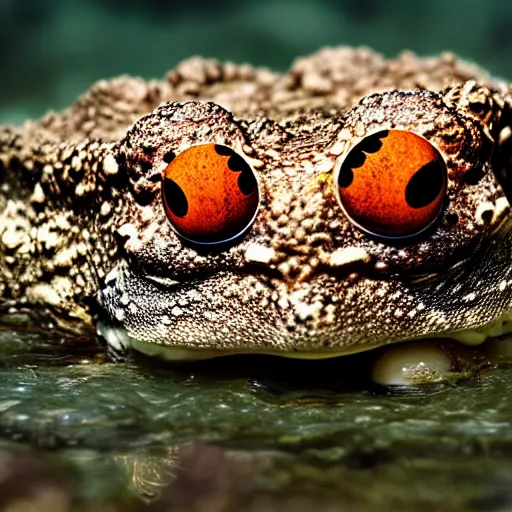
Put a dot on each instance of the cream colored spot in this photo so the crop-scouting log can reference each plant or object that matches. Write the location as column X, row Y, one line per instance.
column 501, row 205
column 259, row 253
column 305, row 311
column 281, row 205
column 44, row 293
column 76, row 163
column 324, row 166
column 119, row 314
column 337, row 148
column 38, row 195
column 81, row 248
column 47, row 237
column 380, row 265
column 128, row 230
column 272, row 153
column 347, row 255
column 81, row 190
column 105, row 209
column 62, row 223
column 505, row 134
column 15, row 234
column 110, row 165
column 147, row 214
column 65, row 257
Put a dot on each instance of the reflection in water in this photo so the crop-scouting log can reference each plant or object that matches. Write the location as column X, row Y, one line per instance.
column 213, row 478
column 227, row 436
column 149, row 474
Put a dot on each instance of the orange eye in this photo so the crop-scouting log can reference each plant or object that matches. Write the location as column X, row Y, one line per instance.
column 392, row 184
column 210, row 194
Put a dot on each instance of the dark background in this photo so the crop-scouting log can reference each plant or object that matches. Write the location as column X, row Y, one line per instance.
column 52, row 50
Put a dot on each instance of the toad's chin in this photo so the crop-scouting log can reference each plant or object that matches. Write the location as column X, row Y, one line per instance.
column 118, row 339
column 411, row 362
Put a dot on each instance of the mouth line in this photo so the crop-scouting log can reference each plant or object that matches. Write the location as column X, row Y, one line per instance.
column 359, row 269
column 166, row 283
column 169, row 283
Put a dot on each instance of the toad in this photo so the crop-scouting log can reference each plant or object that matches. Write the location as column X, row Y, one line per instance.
column 349, row 203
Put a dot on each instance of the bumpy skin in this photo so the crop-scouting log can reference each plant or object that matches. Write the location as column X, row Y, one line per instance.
column 84, row 237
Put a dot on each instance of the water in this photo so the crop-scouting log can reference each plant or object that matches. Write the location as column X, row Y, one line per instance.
column 246, row 433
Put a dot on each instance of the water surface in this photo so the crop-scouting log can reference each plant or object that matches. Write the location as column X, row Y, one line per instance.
column 245, row 433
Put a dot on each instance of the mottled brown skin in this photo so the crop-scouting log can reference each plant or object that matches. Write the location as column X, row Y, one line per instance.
column 84, row 237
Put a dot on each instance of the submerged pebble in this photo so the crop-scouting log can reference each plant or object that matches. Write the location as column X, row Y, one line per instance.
column 411, row 364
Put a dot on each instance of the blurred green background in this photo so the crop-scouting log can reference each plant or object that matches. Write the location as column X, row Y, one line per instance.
column 52, row 50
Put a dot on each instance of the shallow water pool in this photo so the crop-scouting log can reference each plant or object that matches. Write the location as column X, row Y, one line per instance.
column 242, row 434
